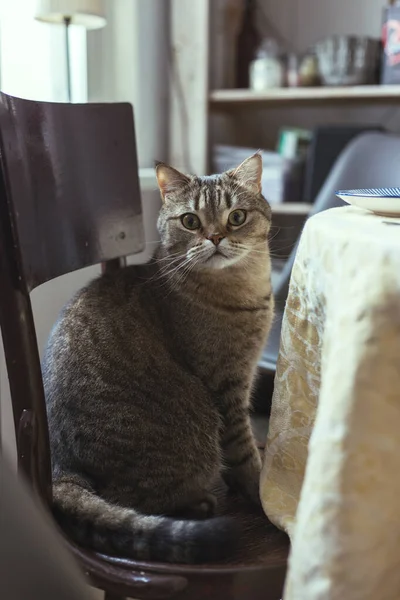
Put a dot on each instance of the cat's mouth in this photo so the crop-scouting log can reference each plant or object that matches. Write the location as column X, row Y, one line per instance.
column 219, row 258
column 217, row 252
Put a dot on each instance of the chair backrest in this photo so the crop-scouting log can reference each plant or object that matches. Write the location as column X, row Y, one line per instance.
column 69, row 198
column 370, row 160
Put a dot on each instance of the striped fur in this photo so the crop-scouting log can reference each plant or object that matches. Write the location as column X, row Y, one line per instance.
column 148, row 374
column 105, row 527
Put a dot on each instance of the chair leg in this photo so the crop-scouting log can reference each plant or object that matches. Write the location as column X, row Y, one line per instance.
column 109, row 596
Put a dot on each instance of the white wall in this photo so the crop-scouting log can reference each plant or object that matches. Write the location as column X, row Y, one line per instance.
column 125, row 62
column 128, row 61
column 32, row 55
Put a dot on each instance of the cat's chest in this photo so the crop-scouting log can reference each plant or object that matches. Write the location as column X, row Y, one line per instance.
column 207, row 338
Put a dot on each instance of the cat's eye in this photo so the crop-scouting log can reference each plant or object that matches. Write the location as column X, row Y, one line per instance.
column 190, row 221
column 237, row 217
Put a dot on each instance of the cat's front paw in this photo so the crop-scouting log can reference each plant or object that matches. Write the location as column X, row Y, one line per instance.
column 204, row 509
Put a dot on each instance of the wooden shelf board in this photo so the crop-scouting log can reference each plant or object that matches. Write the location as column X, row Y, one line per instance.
column 291, row 208
column 231, row 99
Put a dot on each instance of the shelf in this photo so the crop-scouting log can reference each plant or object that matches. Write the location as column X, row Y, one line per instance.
column 291, row 208
column 232, row 99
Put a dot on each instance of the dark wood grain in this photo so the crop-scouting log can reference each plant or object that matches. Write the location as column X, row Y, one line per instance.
column 256, row 571
column 72, row 181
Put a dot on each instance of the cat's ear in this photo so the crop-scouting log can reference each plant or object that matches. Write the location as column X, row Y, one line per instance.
column 169, row 179
column 249, row 173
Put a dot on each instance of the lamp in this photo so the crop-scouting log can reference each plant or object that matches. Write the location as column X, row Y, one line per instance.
column 88, row 13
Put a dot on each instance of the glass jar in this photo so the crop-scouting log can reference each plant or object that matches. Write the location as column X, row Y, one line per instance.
column 267, row 70
column 293, row 71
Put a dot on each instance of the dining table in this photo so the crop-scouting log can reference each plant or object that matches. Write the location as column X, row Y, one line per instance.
column 331, row 470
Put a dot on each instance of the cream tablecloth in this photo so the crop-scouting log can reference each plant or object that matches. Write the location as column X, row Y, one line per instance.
column 331, row 476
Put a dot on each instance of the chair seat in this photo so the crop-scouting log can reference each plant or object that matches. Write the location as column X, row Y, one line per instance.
column 256, row 572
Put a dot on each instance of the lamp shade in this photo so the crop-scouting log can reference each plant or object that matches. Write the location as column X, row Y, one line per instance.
column 88, row 13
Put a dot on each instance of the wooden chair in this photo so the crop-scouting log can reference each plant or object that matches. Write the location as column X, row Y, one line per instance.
column 69, row 198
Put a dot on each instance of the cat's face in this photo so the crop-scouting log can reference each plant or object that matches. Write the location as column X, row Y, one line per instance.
column 213, row 222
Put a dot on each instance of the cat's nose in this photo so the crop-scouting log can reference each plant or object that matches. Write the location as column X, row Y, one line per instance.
column 215, row 238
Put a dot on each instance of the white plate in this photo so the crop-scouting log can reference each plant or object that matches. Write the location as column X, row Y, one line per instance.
column 381, row 201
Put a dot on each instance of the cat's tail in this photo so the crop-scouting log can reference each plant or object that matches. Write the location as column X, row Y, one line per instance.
column 107, row 528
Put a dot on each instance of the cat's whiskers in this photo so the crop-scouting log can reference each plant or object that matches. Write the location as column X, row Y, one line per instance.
column 168, row 269
column 186, row 267
column 196, row 259
column 172, row 260
column 277, row 232
column 176, row 254
column 167, row 274
column 176, row 283
column 240, row 249
column 254, row 251
column 172, row 263
column 245, row 263
column 169, row 257
column 250, row 249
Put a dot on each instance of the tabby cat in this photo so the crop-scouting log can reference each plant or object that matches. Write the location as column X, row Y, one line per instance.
column 148, row 374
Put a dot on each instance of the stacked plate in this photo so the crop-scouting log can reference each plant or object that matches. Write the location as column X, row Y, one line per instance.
column 381, row 201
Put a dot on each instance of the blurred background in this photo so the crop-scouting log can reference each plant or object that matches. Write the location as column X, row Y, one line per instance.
column 211, row 82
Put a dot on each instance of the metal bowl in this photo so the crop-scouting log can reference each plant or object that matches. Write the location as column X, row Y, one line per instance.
column 348, row 60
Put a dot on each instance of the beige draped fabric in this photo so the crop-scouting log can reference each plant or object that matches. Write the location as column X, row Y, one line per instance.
column 331, row 475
